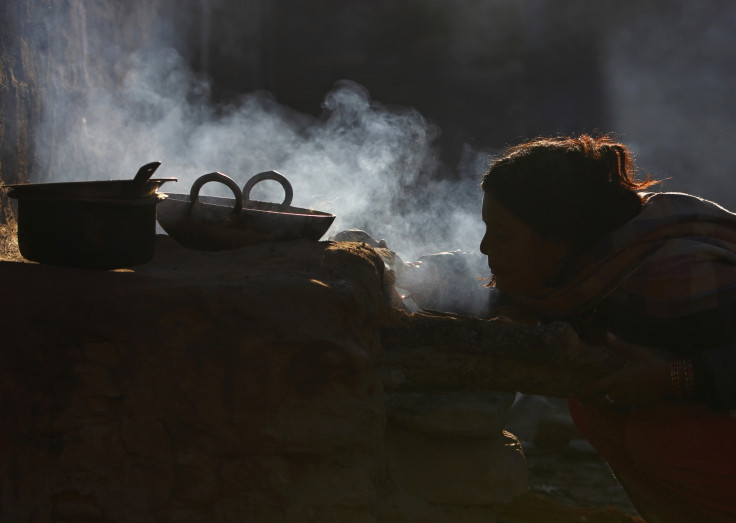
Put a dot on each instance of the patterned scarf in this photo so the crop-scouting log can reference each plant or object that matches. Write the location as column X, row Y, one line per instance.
column 677, row 257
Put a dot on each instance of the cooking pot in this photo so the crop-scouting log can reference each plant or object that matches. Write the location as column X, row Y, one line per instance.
column 212, row 223
column 95, row 225
column 139, row 187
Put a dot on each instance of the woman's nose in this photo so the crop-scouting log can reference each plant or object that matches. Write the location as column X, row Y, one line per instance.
column 484, row 245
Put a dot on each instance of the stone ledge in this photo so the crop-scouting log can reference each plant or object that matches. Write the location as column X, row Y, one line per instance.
column 197, row 387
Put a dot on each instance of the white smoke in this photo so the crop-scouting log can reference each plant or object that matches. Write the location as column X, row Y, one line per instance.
column 372, row 166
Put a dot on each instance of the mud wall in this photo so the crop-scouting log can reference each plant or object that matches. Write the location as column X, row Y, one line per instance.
column 233, row 386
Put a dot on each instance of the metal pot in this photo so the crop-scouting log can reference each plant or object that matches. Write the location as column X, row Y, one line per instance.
column 95, row 225
column 139, row 187
column 211, row 223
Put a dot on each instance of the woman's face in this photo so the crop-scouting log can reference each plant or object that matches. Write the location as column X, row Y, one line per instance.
column 520, row 259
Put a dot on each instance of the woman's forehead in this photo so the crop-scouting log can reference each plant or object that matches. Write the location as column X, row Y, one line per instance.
column 493, row 211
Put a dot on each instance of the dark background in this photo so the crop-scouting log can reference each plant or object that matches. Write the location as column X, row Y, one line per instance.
column 486, row 72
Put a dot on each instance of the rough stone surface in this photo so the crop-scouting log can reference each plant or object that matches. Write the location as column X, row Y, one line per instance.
column 232, row 386
column 52, row 47
column 201, row 387
column 470, row 414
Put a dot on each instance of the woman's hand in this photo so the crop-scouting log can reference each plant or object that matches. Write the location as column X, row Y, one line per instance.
column 643, row 381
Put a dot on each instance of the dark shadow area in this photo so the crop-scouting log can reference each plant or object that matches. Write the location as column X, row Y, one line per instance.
column 486, row 73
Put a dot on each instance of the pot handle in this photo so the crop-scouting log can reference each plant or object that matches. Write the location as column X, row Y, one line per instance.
column 217, row 177
column 145, row 172
column 269, row 175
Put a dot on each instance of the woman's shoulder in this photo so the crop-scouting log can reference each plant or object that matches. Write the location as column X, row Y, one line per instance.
column 662, row 204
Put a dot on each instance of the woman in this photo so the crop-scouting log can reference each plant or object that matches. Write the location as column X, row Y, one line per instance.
column 571, row 236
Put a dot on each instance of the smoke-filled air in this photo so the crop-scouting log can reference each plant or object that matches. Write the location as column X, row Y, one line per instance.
column 368, row 164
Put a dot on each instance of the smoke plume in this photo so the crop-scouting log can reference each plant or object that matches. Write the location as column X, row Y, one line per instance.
column 371, row 165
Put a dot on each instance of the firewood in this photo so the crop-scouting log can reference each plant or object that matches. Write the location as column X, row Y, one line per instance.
column 440, row 351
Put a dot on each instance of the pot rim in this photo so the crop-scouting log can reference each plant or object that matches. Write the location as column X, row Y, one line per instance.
column 80, row 183
column 86, row 190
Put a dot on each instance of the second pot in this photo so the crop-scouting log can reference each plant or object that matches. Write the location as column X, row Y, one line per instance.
column 212, row 223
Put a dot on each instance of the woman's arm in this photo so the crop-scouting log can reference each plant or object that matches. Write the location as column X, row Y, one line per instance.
column 651, row 376
column 715, row 377
column 643, row 381
column 704, row 342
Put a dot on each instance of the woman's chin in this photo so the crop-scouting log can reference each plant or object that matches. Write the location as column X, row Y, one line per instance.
column 510, row 286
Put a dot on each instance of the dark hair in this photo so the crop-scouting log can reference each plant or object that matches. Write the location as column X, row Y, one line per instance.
column 571, row 189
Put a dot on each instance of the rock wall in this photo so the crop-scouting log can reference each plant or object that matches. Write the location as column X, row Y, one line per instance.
column 48, row 53
column 19, row 103
column 236, row 386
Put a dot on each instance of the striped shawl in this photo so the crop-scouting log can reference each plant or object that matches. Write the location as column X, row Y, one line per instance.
column 677, row 257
